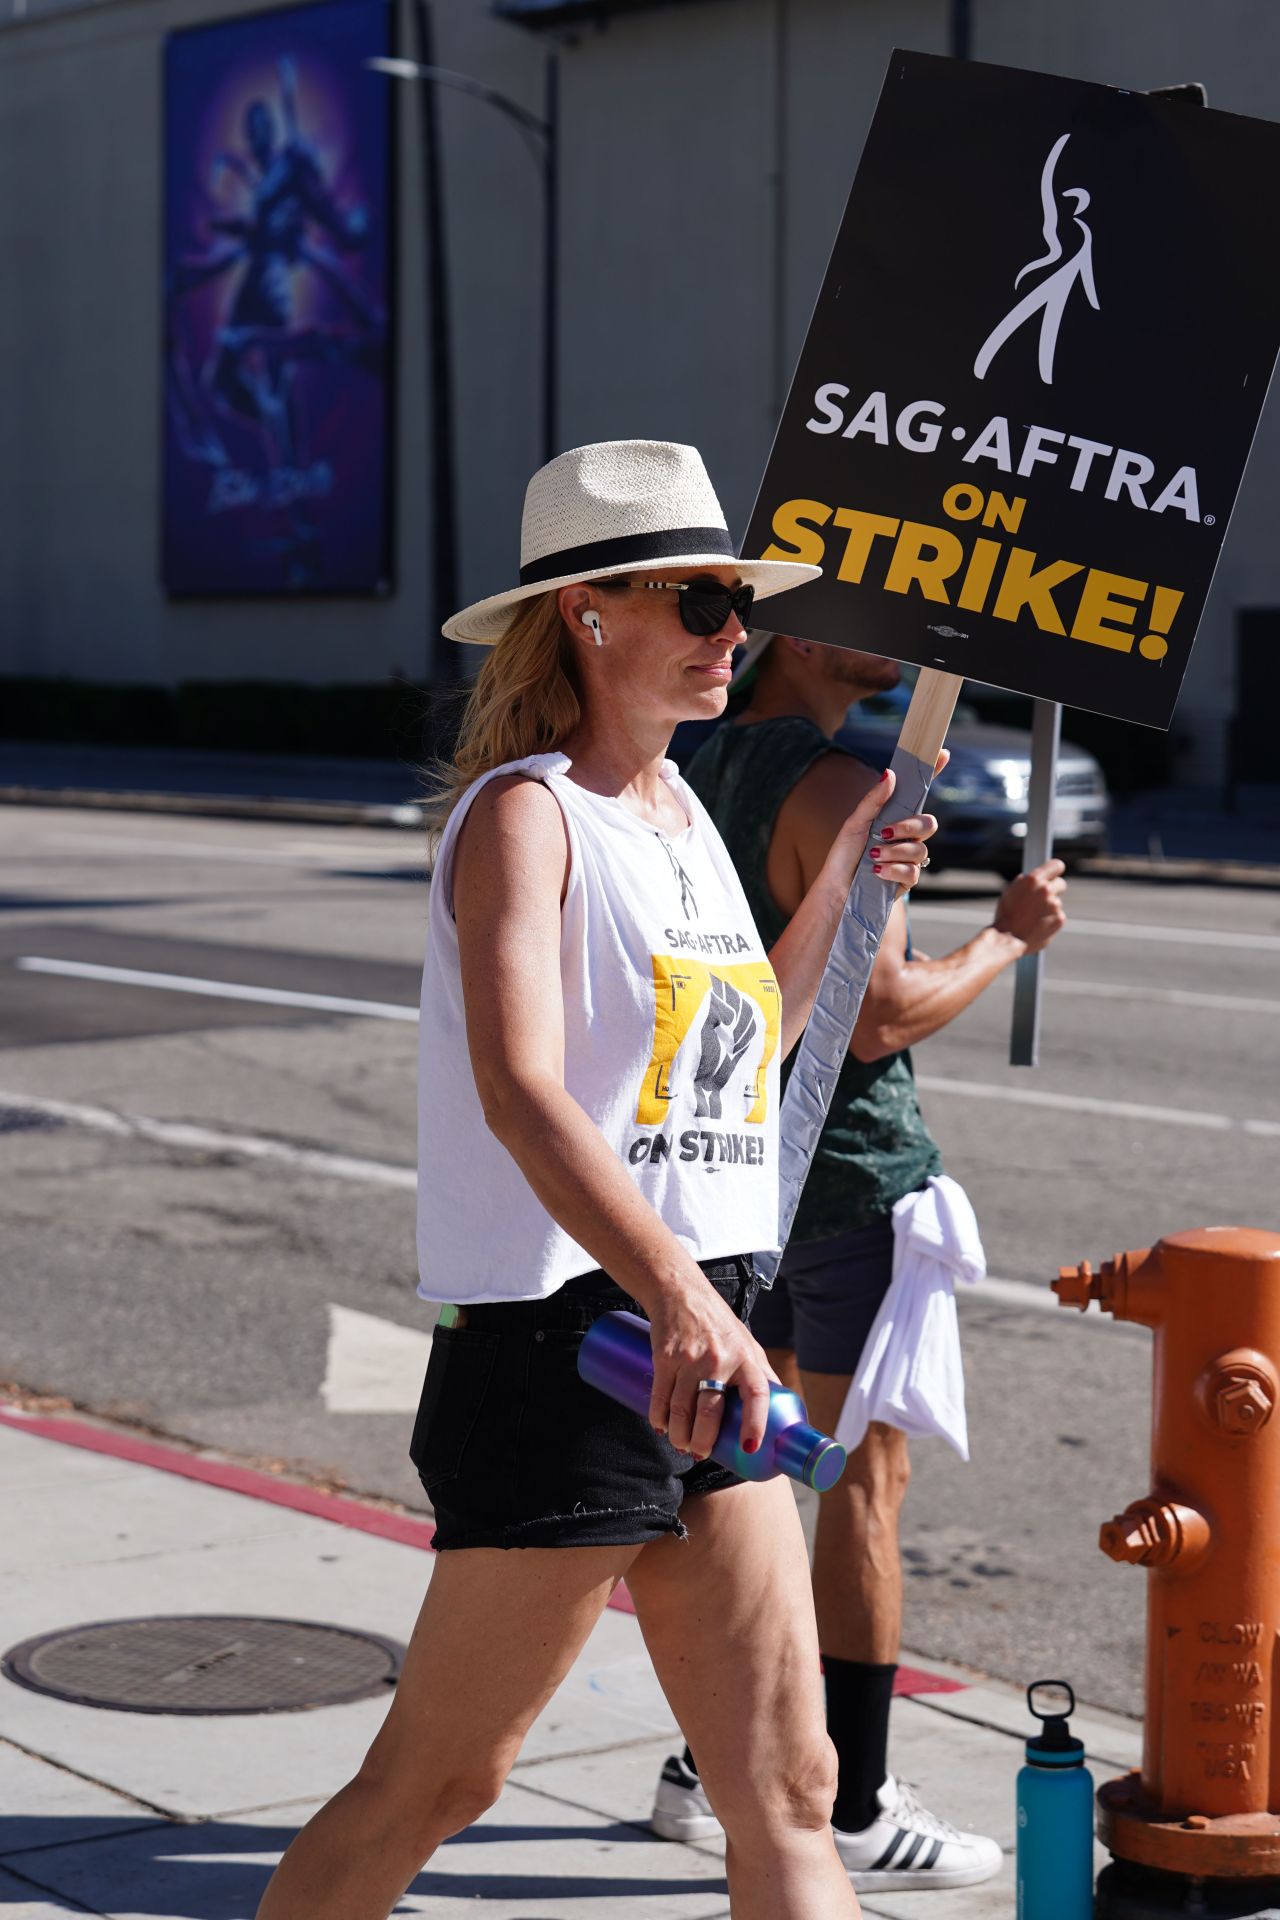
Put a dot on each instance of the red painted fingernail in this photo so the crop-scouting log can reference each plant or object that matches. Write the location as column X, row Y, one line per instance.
column 875, row 866
column 751, row 1446
column 885, row 774
column 886, row 833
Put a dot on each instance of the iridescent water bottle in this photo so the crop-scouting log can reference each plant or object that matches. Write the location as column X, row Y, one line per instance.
column 616, row 1356
column 1055, row 1814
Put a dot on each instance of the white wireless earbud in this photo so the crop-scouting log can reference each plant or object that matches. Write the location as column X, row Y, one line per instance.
column 592, row 619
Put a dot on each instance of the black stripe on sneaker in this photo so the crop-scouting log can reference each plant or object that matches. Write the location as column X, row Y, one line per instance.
column 890, row 1850
column 932, row 1854
column 911, row 1853
column 674, row 1774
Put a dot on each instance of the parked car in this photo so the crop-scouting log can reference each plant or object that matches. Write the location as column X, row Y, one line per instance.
column 981, row 798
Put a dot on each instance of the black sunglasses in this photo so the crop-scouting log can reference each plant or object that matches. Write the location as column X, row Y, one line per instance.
column 705, row 605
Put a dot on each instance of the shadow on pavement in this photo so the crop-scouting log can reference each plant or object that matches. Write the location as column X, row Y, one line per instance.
column 217, row 1870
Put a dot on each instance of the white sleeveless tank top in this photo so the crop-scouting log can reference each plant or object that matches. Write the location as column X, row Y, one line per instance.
column 672, row 1024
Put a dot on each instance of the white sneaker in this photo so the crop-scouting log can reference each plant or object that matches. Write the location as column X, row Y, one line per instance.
column 681, row 1810
column 907, row 1846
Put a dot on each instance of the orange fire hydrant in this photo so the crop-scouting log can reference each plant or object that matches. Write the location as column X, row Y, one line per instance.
column 1206, row 1803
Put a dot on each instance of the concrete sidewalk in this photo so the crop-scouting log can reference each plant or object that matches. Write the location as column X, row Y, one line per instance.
column 181, row 1818
column 297, row 788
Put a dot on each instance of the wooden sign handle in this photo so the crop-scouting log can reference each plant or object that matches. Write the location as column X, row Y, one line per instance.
column 1028, row 975
column 933, row 702
column 924, row 730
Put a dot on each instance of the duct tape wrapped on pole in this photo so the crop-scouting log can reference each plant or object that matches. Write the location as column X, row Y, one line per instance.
column 826, row 1037
column 1022, row 413
column 1046, row 731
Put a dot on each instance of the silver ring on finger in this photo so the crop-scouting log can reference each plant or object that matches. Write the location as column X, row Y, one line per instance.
column 712, row 1386
column 925, row 861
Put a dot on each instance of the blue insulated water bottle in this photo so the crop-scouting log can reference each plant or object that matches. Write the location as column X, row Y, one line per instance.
column 1055, row 1814
column 616, row 1356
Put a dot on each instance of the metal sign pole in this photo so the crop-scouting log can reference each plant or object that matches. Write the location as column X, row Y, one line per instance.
column 1024, row 1042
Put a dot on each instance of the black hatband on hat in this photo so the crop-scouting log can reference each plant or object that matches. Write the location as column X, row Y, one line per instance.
column 631, row 550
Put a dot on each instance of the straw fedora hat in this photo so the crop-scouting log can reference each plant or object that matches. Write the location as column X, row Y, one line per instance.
column 612, row 507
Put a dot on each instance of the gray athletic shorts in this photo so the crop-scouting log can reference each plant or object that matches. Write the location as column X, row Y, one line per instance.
column 824, row 1301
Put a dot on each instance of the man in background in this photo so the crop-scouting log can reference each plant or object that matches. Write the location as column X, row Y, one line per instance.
column 779, row 789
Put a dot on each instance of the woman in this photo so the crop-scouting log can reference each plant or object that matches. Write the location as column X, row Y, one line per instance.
column 600, row 1041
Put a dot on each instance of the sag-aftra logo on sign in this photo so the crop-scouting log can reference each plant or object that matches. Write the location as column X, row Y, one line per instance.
column 1020, row 418
column 1047, row 299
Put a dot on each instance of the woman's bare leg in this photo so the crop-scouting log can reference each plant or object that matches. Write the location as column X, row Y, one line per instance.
column 496, row 1635
column 728, row 1619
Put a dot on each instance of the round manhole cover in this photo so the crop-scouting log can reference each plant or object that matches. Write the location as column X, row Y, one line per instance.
column 205, row 1663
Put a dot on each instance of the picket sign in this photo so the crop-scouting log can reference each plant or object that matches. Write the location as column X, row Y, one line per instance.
column 1017, row 428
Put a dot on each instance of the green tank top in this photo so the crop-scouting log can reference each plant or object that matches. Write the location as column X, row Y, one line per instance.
column 875, row 1146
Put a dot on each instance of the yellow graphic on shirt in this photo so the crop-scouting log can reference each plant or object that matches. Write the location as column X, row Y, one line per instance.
column 737, row 999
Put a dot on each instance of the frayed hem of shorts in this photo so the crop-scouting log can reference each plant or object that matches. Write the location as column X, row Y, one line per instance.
column 594, row 1527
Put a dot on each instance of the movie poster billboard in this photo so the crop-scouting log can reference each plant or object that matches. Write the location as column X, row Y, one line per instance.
column 1031, row 383
column 277, row 303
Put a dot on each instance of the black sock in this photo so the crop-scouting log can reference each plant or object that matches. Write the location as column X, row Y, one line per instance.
column 858, row 1696
column 689, row 1761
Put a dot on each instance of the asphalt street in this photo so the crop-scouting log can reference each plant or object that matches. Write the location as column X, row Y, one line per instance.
column 207, row 1124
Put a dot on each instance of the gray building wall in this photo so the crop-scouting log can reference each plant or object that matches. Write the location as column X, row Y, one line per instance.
column 80, row 379
column 1233, row 46
column 707, row 152
column 712, row 152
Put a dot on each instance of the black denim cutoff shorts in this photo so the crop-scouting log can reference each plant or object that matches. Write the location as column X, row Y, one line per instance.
column 515, row 1450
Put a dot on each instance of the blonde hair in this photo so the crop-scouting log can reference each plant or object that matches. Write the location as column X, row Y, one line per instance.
column 525, row 700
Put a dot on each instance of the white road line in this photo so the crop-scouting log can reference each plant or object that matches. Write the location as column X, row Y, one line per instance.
column 384, row 855
column 1106, row 1109
column 243, row 1146
column 394, row 1010
column 373, row 1365
column 378, row 1348
column 216, row 989
column 1118, row 929
column 1166, row 996
column 929, row 1083
column 1022, row 1294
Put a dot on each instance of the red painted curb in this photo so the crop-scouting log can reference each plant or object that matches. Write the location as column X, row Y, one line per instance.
column 345, row 1512
column 912, row 1680
column 337, row 1507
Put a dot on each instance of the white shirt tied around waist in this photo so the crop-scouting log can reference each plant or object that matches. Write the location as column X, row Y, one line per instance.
column 911, row 1374
column 672, row 1028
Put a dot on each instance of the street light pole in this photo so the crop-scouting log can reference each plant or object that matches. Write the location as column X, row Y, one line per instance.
column 444, row 533
column 543, row 138
column 550, row 261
